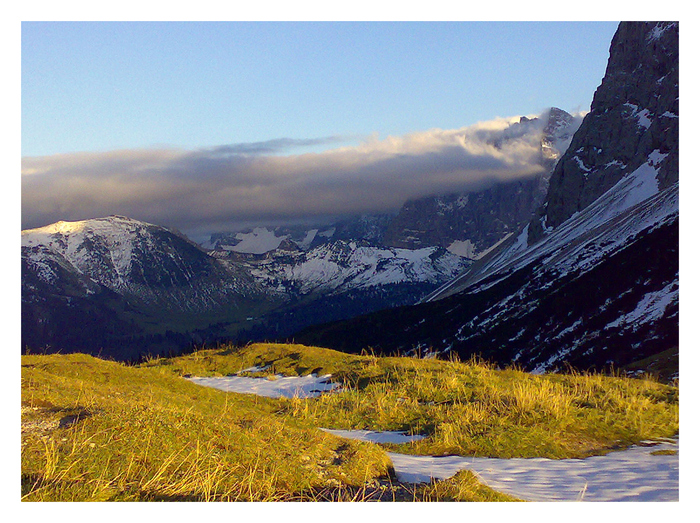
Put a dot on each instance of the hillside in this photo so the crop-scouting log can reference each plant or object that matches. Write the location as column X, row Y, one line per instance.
column 96, row 430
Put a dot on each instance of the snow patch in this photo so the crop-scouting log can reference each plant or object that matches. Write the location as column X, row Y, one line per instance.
column 376, row 437
column 651, row 307
column 642, row 115
column 259, row 241
column 463, row 248
column 308, row 239
column 276, row 387
column 582, row 166
column 634, row 474
column 658, row 30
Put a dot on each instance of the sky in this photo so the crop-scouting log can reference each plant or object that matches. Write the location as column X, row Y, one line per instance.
column 208, row 126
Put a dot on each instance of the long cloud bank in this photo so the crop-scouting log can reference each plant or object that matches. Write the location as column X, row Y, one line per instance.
column 216, row 188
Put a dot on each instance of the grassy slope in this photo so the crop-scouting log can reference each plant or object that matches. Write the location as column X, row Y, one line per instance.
column 464, row 408
column 99, row 430
column 95, row 429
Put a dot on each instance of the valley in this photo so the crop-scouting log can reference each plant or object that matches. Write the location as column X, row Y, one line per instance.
column 521, row 333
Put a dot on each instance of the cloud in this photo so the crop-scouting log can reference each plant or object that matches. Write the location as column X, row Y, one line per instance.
column 271, row 146
column 211, row 189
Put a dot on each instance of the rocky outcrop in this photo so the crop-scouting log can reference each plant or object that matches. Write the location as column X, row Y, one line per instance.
column 471, row 223
column 480, row 218
column 634, row 113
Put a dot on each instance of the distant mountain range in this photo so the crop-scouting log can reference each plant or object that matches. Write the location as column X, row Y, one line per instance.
column 577, row 265
column 123, row 287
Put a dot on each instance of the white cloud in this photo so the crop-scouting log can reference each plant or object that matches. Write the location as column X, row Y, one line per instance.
column 246, row 182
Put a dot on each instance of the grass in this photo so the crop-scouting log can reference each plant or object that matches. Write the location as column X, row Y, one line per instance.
column 98, row 430
column 663, row 365
column 465, row 408
column 95, row 430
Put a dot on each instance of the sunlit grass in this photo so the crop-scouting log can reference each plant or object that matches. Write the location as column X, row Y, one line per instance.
column 99, row 430
column 466, row 408
column 147, row 435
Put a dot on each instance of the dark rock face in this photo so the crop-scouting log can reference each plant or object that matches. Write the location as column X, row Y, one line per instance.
column 634, row 113
column 484, row 217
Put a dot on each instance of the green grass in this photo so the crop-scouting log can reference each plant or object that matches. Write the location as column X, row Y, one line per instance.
column 98, row 430
column 663, row 366
column 142, row 434
column 465, row 408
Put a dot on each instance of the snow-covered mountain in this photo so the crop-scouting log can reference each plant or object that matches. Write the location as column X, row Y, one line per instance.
column 112, row 281
column 261, row 239
column 596, row 283
column 342, row 266
column 143, row 261
column 341, row 279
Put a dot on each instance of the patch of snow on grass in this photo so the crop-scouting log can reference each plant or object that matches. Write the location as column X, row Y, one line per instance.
column 277, row 387
column 635, row 474
column 375, row 437
column 641, row 473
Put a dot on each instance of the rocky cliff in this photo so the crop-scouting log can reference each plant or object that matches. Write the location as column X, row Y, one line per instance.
column 634, row 113
column 472, row 223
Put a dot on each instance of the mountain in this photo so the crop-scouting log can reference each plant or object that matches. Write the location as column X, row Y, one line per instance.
column 592, row 279
column 342, row 266
column 123, row 287
column 97, row 284
column 634, row 112
column 147, row 263
column 341, row 279
column 261, row 240
column 471, row 224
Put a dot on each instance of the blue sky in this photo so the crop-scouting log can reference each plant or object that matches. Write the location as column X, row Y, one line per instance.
column 215, row 126
column 106, row 86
